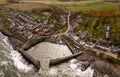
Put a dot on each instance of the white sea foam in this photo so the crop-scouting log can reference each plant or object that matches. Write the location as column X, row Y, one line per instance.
column 1, row 73
column 4, row 63
column 19, row 61
column 53, row 71
column 71, row 69
column 77, row 70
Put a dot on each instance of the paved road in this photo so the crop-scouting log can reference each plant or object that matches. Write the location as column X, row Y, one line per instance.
column 68, row 28
column 68, row 22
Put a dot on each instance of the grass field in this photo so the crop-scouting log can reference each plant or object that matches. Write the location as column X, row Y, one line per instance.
column 86, row 5
column 72, row 6
column 55, row 2
column 24, row 7
column 3, row 1
column 101, row 6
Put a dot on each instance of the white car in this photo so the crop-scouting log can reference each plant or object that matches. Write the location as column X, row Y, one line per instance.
column 81, row 42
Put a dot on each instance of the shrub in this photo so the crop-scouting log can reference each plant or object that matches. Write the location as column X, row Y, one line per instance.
column 103, row 13
column 100, row 55
column 113, row 60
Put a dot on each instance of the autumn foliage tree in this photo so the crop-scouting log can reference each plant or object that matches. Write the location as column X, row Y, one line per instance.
column 102, row 13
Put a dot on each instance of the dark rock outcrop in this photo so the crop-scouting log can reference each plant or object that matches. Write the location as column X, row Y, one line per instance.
column 100, row 65
column 85, row 65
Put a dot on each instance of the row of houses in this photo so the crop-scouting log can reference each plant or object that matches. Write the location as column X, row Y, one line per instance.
column 27, row 26
column 93, row 45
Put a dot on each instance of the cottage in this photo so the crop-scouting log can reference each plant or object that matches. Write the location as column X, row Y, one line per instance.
column 75, row 37
column 51, row 25
column 108, row 33
column 114, row 49
column 62, row 20
column 81, row 42
column 47, row 13
column 90, row 45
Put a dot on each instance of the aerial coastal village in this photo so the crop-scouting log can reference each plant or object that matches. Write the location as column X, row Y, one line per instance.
column 59, row 38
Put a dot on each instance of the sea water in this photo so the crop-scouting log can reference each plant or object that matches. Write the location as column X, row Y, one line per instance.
column 12, row 64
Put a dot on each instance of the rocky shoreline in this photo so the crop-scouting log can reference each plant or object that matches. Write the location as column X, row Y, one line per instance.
column 100, row 66
column 14, row 42
column 89, row 58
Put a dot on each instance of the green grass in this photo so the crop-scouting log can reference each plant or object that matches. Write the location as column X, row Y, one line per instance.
column 113, row 61
column 35, row 16
column 100, row 55
column 115, row 32
column 103, row 6
column 55, row 2
column 24, row 7
column 109, row 59
column 91, row 27
column 86, row 5
column 4, row 15
column 80, row 28
column 72, row 6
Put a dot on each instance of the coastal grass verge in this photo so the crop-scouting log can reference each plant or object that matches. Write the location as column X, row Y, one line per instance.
column 109, row 59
